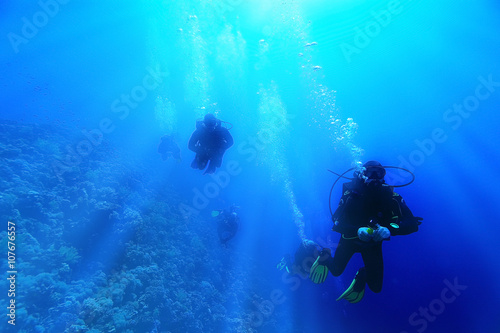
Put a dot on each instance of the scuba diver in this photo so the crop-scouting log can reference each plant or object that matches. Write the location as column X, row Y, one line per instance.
column 209, row 141
column 305, row 256
column 169, row 147
column 227, row 223
column 369, row 212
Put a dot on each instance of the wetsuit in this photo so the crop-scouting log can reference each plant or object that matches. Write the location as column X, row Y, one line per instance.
column 359, row 205
column 227, row 226
column 168, row 146
column 209, row 146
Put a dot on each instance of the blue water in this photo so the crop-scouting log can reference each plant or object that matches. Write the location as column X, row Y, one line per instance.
column 111, row 238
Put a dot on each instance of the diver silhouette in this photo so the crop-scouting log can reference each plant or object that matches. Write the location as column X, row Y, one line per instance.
column 304, row 258
column 227, row 223
column 209, row 141
column 368, row 213
column 169, row 147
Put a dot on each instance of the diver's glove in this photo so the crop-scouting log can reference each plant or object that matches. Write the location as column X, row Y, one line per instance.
column 380, row 234
column 365, row 234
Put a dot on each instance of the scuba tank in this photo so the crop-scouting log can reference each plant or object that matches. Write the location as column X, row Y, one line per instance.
column 219, row 123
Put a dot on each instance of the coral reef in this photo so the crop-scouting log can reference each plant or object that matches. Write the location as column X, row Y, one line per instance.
column 102, row 249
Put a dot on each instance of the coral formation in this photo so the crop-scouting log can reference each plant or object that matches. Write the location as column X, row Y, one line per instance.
column 102, row 249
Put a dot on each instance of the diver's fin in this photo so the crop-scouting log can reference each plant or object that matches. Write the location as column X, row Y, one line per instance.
column 318, row 272
column 356, row 290
column 216, row 213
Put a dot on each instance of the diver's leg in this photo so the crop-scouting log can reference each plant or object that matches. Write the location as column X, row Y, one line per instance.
column 342, row 255
column 215, row 161
column 356, row 290
column 200, row 161
column 211, row 168
column 374, row 264
column 202, row 164
column 218, row 158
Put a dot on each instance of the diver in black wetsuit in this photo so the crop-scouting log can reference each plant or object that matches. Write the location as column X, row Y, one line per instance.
column 209, row 141
column 305, row 255
column 169, row 147
column 368, row 213
column 227, row 223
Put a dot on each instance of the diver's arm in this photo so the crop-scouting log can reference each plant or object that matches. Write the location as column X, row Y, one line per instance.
column 406, row 223
column 228, row 138
column 193, row 141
